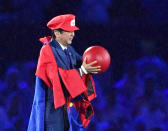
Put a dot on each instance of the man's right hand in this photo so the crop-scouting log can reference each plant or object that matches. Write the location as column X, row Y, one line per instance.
column 90, row 68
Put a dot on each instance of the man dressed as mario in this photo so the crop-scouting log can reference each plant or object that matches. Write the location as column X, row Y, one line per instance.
column 64, row 85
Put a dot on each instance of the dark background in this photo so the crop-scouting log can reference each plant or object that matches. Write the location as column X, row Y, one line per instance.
column 131, row 30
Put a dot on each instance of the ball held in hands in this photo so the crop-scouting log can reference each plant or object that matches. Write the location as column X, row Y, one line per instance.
column 99, row 54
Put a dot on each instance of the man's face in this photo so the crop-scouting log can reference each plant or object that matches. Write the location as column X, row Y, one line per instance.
column 65, row 37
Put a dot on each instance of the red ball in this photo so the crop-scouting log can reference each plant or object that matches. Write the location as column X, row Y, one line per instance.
column 99, row 54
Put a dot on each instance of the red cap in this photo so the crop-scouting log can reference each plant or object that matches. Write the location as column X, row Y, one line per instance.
column 65, row 22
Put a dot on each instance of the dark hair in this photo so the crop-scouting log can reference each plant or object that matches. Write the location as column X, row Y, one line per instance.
column 52, row 32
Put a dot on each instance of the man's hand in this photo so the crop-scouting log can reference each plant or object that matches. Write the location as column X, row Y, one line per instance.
column 90, row 68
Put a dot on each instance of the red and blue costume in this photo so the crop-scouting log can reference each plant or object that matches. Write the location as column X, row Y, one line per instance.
column 58, row 83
